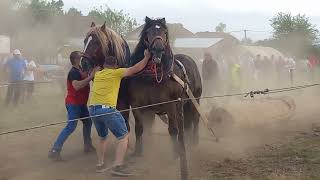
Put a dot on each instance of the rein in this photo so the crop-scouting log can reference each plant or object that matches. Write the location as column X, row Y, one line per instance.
column 154, row 65
column 154, row 69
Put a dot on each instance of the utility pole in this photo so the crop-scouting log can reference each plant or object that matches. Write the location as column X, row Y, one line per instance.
column 245, row 36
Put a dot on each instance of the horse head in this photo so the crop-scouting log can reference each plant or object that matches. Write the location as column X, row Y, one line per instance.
column 100, row 43
column 155, row 38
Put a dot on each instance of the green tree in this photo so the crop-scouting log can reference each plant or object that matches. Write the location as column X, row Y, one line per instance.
column 221, row 27
column 74, row 12
column 42, row 10
column 119, row 21
column 295, row 35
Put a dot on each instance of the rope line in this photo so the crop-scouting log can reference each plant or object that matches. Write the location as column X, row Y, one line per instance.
column 26, row 82
column 271, row 91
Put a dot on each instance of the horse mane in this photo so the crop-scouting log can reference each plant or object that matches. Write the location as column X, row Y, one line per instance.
column 112, row 44
column 138, row 52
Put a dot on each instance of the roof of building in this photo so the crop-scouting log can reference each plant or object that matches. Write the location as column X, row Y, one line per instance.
column 208, row 34
column 195, row 42
column 175, row 30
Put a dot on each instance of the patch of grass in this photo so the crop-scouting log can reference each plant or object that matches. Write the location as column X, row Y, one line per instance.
column 299, row 159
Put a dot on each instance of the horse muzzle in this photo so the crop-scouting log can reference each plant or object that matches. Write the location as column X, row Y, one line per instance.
column 156, row 60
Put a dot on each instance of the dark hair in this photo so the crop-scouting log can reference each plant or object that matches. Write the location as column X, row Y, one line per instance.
column 74, row 55
column 111, row 61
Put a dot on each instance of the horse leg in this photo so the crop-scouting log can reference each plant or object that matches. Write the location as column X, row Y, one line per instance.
column 182, row 148
column 148, row 120
column 123, row 102
column 138, row 116
column 191, row 122
column 173, row 128
column 188, row 115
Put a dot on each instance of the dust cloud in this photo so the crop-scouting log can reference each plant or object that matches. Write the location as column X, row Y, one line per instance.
column 245, row 123
column 37, row 36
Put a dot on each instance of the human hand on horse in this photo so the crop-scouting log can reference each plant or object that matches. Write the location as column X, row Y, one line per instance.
column 94, row 70
column 147, row 54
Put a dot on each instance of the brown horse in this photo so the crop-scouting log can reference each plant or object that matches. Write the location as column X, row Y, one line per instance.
column 154, row 84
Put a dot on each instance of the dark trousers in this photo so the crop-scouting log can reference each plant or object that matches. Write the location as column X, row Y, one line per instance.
column 14, row 92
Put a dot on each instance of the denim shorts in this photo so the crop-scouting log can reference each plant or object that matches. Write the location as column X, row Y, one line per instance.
column 113, row 122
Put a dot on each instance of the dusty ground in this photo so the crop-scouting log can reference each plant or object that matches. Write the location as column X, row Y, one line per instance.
column 281, row 150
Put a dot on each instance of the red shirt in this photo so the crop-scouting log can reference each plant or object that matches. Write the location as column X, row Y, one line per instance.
column 76, row 97
column 313, row 61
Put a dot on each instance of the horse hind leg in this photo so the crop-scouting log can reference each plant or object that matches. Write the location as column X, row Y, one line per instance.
column 191, row 123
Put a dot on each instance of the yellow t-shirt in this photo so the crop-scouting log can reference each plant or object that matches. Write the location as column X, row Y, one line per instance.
column 105, row 88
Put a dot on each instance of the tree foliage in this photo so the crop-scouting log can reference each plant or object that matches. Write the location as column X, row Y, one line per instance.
column 221, row 27
column 42, row 10
column 294, row 35
column 119, row 21
column 74, row 12
column 41, row 27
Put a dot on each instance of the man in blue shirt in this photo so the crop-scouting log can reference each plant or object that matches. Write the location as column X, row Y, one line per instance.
column 15, row 67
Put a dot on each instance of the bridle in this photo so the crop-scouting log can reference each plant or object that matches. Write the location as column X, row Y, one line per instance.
column 149, row 46
column 164, row 42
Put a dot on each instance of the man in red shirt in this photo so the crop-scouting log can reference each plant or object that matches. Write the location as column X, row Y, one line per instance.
column 78, row 89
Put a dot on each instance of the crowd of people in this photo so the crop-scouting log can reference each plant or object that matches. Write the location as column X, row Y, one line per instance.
column 237, row 74
column 18, row 73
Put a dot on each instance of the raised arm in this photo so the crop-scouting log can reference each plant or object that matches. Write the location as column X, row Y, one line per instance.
column 139, row 66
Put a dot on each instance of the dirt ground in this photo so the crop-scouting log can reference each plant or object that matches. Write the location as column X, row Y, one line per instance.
column 288, row 149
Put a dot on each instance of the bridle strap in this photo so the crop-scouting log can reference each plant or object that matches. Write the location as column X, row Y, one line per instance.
column 154, row 39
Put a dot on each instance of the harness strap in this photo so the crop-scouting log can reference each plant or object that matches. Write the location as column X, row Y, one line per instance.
column 195, row 103
column 183, row 69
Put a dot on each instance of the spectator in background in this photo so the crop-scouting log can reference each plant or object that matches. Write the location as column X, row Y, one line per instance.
column 223, row 67
column 290, row 66
column 210, row 74
column 267, row 70
column 16, row 67
column 313, row 62
column 248, row 69
column 236, row 77
column 258, row 66
column 29, row 79
column 280, row 68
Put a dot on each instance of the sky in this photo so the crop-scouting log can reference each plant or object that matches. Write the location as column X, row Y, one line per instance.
column 204, row 15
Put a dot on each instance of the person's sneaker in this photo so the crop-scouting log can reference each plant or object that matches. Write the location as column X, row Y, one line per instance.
column 100, row 168
column 120, row 171
column 55, row 155
column 89, row 149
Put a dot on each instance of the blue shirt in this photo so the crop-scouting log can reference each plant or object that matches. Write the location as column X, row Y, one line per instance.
column 16, row 68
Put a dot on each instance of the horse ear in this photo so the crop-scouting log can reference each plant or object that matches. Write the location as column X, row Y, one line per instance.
column 163, row 20
column 103, row 27
column 148, row 20
column 93, row 24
